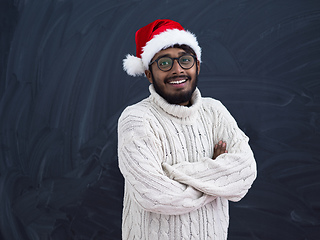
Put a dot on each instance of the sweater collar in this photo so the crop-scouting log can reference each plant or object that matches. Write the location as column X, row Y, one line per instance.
column 177, row 111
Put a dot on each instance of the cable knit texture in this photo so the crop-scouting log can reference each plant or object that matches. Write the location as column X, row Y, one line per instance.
column 173, row 188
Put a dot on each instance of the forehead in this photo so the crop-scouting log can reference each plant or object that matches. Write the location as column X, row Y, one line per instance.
column 173, row 52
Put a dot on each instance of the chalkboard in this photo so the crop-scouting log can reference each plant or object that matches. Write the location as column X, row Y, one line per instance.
column 62, row 90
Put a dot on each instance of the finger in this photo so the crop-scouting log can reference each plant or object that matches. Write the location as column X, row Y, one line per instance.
column 223, row 147
column 221, row 150
column 216, row 151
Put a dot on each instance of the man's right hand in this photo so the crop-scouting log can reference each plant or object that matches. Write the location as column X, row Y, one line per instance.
column 219, row 148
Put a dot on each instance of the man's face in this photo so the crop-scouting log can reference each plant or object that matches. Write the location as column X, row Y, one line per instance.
column 177, row 85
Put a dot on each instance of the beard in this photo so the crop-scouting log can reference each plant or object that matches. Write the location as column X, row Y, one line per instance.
column 179, row 97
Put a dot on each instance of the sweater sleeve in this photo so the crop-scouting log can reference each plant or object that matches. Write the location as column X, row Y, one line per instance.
column 231, row 174
column 140, row 157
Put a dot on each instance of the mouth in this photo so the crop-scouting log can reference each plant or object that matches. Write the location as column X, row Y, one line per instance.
column 178, row 80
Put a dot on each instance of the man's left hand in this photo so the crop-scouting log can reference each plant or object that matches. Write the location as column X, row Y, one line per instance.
column 219, row 148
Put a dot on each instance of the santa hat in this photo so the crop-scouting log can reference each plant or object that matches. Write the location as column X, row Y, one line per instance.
column 154, row 37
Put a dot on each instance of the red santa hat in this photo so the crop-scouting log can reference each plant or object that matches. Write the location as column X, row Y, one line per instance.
column 154, row 37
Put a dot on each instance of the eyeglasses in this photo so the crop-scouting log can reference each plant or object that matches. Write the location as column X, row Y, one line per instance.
column 166, row 63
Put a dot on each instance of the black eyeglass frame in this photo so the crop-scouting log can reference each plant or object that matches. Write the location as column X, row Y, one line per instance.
column 156, row 60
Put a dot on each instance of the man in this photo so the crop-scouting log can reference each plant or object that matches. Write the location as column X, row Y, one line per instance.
column 182, row 156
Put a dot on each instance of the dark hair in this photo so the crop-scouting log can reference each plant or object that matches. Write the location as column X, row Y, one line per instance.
column 186, row 48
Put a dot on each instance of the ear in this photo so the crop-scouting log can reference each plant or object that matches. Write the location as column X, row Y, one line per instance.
column 148, row 75
column 198, row 63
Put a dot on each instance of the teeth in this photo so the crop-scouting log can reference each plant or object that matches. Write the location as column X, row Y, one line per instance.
column 178, row 82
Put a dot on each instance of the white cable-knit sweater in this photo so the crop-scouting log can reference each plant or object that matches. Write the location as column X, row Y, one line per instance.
column 173, row 188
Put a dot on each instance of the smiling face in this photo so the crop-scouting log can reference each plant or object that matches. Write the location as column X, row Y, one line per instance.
column 176, row 85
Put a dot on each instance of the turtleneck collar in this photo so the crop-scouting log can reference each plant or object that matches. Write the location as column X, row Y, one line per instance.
column 177, row 111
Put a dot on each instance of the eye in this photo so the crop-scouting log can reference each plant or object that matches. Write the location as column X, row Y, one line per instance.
column 164, row 62
column 186, row 60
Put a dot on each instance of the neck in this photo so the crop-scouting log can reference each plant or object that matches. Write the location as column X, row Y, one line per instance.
column 186, row 104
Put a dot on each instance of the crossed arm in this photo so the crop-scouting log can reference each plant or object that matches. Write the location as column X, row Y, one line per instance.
column 227, row 175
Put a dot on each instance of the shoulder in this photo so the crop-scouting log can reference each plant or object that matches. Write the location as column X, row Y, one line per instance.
column 216, row 108
column 211, row 102
column 135, row 118
column 213, row 105
column 135, row 122
column 138, row 110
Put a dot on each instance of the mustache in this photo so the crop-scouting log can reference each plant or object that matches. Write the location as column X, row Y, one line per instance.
column 169, row 79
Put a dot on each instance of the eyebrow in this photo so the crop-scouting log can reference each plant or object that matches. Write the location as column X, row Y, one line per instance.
column 168, row 55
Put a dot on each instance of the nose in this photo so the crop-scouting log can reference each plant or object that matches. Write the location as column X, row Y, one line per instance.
column 176, row 68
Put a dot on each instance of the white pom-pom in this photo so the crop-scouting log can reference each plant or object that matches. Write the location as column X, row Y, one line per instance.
column 133, row 65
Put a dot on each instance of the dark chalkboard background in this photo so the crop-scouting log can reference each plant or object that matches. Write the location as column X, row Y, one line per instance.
column 62, row 90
